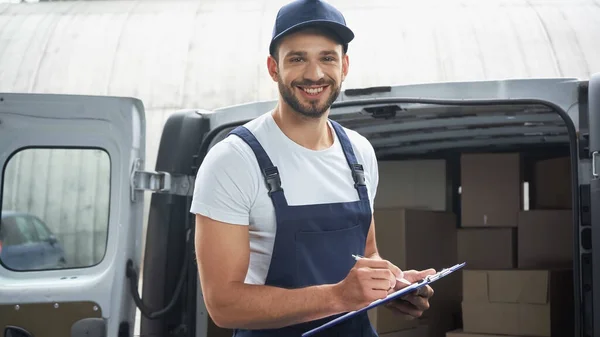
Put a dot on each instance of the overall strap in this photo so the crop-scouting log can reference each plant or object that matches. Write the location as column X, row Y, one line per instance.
column 358, row 172
column 269, row 171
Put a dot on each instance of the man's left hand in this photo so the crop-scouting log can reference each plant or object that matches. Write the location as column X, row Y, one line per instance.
column 415, row 303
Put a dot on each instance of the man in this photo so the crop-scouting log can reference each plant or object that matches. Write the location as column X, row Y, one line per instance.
column 284, row 202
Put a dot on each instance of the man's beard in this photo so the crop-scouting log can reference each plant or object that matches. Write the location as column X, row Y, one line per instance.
column 312, row 109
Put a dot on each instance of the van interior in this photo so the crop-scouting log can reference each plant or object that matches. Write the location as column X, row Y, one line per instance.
column 486, row 183
column 489, row 185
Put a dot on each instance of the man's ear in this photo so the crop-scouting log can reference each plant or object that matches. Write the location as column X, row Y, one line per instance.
column 272, row 67
column 345, row 66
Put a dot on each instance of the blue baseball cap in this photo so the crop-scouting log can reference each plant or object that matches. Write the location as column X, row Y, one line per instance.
column 310, row 13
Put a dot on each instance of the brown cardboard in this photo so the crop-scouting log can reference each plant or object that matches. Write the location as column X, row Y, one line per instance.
column 385, row 320
column 518, row 302
column 442, row 316
column 461, row 333
column 552, row 184
column 545, row 239
column 475, row 282
column 508, row 318
column 487, row 248
column 406, row 238
column 491, row 190
column 515, row 286
column 518, row 286
column 419, row 331
column 414, row 184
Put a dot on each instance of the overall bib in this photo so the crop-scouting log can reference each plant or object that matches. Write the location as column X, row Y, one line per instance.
column 314, row 243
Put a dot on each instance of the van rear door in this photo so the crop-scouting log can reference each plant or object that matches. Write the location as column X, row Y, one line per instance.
column 68, row 161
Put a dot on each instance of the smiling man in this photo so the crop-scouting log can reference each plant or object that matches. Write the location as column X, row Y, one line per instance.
column 285, row 201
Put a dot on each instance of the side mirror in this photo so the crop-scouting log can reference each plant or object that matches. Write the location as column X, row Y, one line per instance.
column 52, row 239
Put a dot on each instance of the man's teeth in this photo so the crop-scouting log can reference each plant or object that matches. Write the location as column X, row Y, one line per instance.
column 312, row 91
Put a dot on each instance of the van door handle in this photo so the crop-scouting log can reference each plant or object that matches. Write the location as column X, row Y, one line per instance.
column 14, row 331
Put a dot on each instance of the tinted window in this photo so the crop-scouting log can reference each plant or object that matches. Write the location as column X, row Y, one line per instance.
column 62, row 194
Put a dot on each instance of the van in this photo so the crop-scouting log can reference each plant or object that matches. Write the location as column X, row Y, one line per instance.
column 87, row 152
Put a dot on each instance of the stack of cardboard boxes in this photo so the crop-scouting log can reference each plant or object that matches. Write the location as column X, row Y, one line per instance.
column 414, row 230
column 419, row 239
column 518, row 278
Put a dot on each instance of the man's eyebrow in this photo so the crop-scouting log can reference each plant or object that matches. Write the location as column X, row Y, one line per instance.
column 303, row 53
column 329, row 52
column 296, row 53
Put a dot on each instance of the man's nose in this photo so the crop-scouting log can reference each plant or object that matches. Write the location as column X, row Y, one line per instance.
column 314, row 72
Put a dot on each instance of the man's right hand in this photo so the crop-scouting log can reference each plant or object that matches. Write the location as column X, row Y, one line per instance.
column 368, row 281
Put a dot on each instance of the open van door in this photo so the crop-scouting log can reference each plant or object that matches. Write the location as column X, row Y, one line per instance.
column 71, row 216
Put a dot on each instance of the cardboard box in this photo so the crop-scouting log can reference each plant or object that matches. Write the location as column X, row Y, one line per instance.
column 419, row 331
column 442, row 316
column 552, row 184
column 518, row 302
column 415, row 184
column 461, row 333
column 385, row 320
column 487, row 248
column 420, row 239
column 404, row 237
column 545, row 239
column 491, row 190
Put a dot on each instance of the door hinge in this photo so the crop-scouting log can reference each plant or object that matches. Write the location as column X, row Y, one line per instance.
column 160, row 182
column 595, row 164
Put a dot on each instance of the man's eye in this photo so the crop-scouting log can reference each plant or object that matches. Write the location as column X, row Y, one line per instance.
column 296, row 59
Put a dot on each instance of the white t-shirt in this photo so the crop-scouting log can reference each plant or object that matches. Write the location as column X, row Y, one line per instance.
column 230, row 187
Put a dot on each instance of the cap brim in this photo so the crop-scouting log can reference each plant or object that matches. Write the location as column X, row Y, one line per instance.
column 344, row 33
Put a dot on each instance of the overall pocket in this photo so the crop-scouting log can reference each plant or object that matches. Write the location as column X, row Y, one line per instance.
column 325, row 257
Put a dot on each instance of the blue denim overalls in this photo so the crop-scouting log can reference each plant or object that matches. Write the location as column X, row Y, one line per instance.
column 314, row 243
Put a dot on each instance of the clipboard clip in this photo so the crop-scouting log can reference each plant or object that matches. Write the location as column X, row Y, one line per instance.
column 440, row 274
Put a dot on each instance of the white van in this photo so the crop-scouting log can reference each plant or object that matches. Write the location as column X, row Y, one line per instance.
column 98, row 143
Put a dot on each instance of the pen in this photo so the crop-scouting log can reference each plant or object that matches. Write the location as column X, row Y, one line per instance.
column 358, row 257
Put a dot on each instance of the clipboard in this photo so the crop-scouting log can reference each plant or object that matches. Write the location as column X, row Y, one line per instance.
column 426, row 281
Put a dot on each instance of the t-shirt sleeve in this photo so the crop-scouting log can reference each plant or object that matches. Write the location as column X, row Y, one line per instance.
column 224, row 185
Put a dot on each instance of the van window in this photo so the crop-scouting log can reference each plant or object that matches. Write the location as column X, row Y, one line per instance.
column 57, row 199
